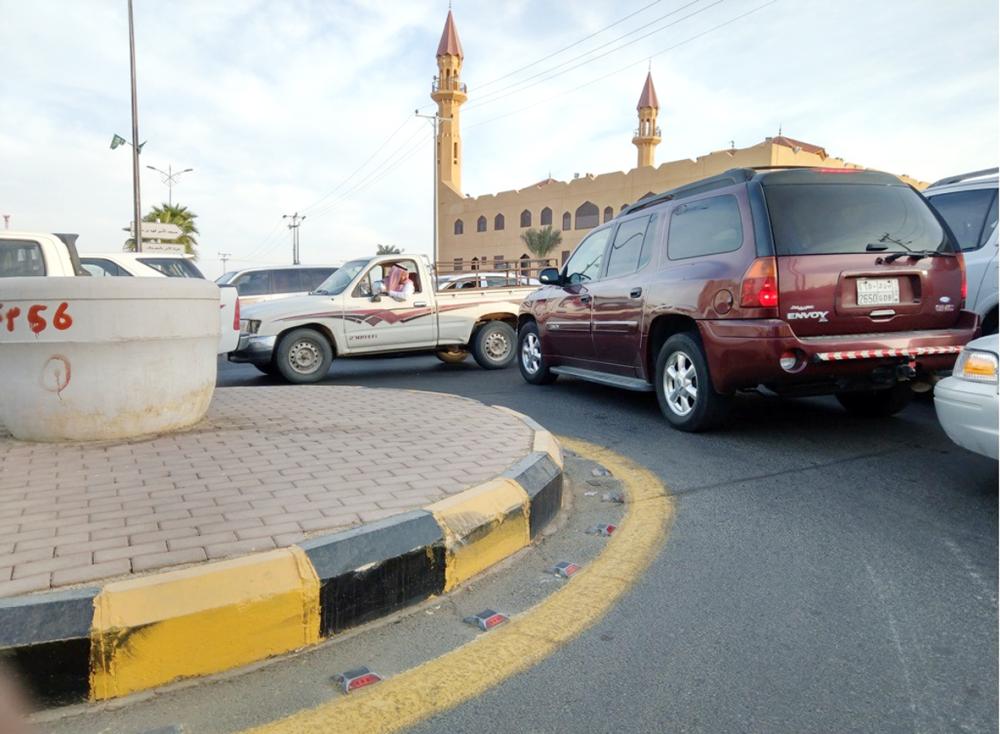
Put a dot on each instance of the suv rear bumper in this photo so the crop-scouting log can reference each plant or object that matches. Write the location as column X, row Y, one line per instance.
column 745, row 353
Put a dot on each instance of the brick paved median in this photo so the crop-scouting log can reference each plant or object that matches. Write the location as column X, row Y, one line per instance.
column 268, row 467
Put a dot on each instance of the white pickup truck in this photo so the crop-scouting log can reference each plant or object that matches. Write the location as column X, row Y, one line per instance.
column 348, row 316
column 55, row 255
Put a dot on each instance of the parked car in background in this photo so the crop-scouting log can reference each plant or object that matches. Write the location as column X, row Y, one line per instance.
column 968, row 204
column 256, row 285
column 802, row 281
column 55, row 255
column 966, row 402
column 349, row 316
column 484, row 280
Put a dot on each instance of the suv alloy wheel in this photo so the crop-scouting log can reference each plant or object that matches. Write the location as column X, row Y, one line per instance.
column 684, row 387
column 530, row 360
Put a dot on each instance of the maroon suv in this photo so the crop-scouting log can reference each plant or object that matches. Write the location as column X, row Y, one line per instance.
column 801, row 281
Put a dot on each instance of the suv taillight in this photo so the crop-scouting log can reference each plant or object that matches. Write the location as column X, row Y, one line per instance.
column 965, row 282
column 759, row 288
column 236, row 315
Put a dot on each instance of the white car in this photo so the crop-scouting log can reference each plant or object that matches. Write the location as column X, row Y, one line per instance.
column 968, row 203
column 966, row 402
column 484, row 280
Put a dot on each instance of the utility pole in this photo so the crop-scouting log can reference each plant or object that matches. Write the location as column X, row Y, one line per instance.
column 6, row 221
column 434, row 120
column 136, row 205
column 170, row 178
column 224, row 256
column 294, row 226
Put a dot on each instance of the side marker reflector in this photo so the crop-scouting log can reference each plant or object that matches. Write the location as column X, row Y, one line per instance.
column 565, row 569
column 352, row 680
column 486, row 619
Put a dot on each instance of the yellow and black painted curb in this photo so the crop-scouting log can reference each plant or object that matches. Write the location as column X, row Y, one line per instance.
column 135, row 634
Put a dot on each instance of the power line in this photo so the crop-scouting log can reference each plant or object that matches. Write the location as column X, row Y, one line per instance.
column 623, row 68
column 520, row 86
column 567, row 48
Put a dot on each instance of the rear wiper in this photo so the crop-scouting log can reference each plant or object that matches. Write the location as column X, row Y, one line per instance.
column 917, row 255
column 875, row 247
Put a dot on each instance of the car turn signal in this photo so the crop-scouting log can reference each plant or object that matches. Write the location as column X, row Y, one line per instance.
column 976, row 366
column 759, row 288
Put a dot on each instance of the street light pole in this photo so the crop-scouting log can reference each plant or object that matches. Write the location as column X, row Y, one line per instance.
column 170, row 178
column 136, row 205
column 224, row 256
column 434, row 120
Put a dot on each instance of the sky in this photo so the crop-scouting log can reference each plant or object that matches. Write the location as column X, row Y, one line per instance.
column 308, row 105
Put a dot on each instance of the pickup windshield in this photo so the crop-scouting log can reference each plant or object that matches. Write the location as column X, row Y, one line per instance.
column 338, row 282
column 826, row 219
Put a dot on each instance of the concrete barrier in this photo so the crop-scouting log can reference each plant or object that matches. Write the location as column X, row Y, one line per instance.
column 84, row 359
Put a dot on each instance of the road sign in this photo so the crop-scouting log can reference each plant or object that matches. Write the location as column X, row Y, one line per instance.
column 158, row 231
column 166, row 248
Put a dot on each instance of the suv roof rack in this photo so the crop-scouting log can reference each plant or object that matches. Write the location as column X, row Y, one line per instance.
column 964, row 177
column 721, row 180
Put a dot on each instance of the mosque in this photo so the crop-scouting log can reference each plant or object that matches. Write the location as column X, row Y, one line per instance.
column 484, row 232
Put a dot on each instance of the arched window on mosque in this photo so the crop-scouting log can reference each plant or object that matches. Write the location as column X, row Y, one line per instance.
column 498, row 221
column 526, row 218
column 545, row 218
column 609, row 214
column 587, row 216
column 459, row 226
column 481, row 224
column 567, row 221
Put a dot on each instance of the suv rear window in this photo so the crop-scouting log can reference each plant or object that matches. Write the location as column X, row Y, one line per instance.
column 845, row 218
column 172, row 267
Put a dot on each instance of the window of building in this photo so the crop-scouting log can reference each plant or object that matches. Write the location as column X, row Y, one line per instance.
column 526, row 218
column 475, row 263
column 481, row 224
column 459, row 226
column 498, row 262
column 609, row 214
column 586, row 261
column 705, row 227
column 623, row 207
column 625, row 255
column 564, row 257
column 588, row 216
column 498, row 221
column 456, row 265
column 545, row 218
column 567, row 221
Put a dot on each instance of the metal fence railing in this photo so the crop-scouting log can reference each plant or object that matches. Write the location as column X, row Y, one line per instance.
column 497, row 272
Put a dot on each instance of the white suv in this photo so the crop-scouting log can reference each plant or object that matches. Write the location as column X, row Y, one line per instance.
column 968, row 204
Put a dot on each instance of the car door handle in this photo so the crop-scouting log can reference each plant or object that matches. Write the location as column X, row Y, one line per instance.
column 419, row 304
column 584, row 298
column 635, row 293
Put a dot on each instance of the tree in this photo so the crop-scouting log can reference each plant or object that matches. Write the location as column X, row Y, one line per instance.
column 540, row 242
column 173, row 214
column 388, row 250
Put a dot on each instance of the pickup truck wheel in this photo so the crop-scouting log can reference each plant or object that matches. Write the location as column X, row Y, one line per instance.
column 684, row 387
column 493, row 345
column 456, row 356
column 877, row 403
column 532, row 364
column 304, row 356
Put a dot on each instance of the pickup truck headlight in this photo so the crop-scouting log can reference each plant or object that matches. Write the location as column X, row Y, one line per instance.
column 976, row 366
column 249, row 326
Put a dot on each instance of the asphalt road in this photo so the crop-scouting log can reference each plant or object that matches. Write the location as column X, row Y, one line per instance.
column 824, row 573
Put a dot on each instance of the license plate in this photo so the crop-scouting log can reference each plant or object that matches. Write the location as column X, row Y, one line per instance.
column 878, row 291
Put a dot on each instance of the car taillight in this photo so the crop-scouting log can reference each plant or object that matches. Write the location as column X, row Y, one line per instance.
column 236, row 315
column 965, row 282
column 759, row 288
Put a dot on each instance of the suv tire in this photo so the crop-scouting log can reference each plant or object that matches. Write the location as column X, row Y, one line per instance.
column 493, row 345
column 684, row 386
column 534, row 368
column 877, row 403
column 303, row 356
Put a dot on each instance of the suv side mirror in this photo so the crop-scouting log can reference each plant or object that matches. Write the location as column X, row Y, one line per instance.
column 550, row 276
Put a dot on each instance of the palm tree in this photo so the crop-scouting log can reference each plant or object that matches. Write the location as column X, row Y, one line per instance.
column 540, row 242
column 388, row 250
column 173, row 214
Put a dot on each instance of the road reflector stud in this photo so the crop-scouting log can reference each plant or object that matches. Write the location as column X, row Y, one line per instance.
column 603, row 530
column 565, row 569
column 486, row 619
column 616, row 497
column 352, row 680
